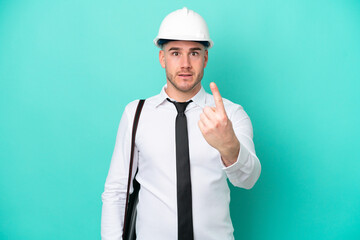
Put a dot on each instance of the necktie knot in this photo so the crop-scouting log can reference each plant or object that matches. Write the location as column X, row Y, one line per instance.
column 180, row 106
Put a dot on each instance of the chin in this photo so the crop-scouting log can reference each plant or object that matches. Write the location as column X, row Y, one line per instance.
column 187, row 87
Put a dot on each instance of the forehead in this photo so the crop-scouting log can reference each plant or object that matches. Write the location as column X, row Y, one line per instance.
column 183, row 45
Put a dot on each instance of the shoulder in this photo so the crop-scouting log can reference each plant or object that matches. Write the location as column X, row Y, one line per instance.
column 131, row 107
column 151, row 101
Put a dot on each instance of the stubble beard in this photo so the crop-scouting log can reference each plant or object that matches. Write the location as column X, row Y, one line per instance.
column 170, row 78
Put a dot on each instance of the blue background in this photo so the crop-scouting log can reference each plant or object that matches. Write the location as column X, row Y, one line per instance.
column 68, row 69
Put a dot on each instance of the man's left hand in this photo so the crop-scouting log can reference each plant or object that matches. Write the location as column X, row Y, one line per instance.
column 217, row 129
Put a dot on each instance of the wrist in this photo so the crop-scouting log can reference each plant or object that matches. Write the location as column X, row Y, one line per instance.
column 230, row 155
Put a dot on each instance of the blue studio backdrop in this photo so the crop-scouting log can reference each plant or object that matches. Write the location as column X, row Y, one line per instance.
column 68, row 69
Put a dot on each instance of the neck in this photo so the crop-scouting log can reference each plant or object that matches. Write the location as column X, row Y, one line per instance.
column 180, row 96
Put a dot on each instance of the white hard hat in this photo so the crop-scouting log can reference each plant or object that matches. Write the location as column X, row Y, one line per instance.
column 183, row 24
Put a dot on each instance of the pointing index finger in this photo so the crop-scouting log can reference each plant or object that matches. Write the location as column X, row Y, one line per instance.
column 217, row 97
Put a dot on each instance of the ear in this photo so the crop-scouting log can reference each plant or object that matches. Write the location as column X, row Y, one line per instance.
column 205, row 58
column 162, row 58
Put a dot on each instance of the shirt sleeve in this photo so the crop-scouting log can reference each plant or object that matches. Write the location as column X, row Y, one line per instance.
column 114, row 195
column 246, row 170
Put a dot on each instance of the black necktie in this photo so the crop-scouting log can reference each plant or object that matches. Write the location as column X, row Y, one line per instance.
column 184, row 198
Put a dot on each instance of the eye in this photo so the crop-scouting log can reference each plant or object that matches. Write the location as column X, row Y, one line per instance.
column 175, row 53
column 194, row 53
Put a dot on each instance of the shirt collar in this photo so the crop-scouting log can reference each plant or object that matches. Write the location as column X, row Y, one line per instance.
column 198, row 99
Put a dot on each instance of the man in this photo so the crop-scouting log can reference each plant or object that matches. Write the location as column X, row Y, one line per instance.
column 220, row 146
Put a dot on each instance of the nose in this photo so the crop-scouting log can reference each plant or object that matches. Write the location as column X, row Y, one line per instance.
column 185, row 61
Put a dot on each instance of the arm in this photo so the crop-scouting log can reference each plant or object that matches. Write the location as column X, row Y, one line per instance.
column 233, row 139
column 246, row 170
column 114, row 195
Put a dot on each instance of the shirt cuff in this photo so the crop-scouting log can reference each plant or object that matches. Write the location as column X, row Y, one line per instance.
column 243, row 155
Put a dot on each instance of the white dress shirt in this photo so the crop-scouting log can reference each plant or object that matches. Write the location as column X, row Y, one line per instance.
column 156, row 159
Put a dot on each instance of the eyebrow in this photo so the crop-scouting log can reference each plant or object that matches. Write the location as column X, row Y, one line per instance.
column 174, row 48
column 191, row 49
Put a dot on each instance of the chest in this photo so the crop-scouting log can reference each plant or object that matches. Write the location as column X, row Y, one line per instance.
column 155, row 141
